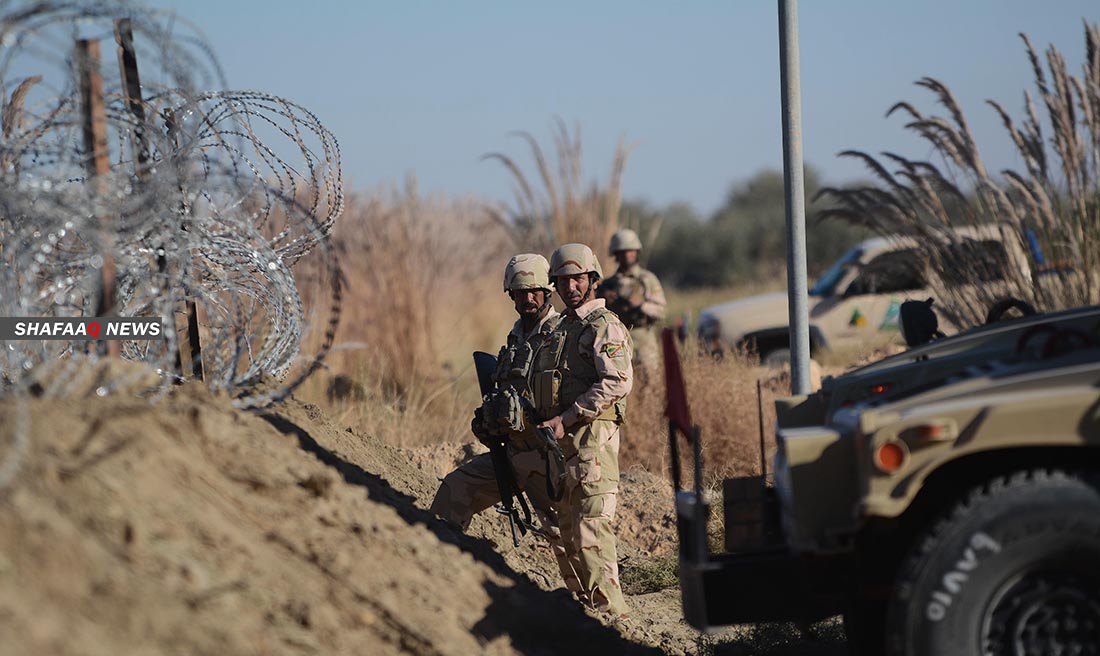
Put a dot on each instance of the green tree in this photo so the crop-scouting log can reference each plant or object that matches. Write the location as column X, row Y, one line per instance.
column 746, row 237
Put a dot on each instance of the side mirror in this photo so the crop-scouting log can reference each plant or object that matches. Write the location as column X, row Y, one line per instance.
column 919, row 323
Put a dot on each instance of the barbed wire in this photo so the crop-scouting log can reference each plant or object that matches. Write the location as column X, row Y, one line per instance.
column 224, row 199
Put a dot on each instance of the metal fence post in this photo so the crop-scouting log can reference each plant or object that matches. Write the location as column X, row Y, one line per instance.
column 796, row 197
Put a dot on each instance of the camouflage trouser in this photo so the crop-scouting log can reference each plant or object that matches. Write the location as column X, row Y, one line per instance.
column 647, row 354
column 473, row 487
column 588, row 508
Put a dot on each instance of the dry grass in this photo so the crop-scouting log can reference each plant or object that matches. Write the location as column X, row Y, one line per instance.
column 1057, row 198
column 562, row 207
column 407, row 332
column 723, row 398
column 423, row 292
column 653, row 574
column 689, row 302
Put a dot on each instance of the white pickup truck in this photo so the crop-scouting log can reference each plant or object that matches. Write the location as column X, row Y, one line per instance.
column 858, row 297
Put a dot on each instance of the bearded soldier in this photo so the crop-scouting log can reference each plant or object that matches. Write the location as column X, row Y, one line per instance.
column 635, row 295
column 579, row 382
column 473, row 487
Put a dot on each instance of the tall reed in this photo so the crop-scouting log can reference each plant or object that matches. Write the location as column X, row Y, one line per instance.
column 561, row 207
column 1054, row 202
column 423, row 290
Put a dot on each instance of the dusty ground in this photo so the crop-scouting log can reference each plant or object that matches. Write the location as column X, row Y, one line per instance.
column 187, row 527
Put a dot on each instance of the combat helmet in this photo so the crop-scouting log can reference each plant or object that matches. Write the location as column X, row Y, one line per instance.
column 527, row 271
column 625, row 240
column 571, row 259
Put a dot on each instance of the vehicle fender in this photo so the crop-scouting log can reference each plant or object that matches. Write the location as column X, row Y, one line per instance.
column 1048, row 421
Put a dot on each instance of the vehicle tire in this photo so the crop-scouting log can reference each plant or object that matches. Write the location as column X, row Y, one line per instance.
column 1014, row 569
column 778, row 357
column 1002, row 307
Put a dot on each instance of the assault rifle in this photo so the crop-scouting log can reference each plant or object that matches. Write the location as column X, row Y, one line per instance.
column 628, row 309
column 485, row 364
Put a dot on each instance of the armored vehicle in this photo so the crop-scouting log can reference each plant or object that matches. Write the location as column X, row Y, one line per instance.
column 955, row 511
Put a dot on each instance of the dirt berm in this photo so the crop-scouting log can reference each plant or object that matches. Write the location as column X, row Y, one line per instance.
column 187, row 527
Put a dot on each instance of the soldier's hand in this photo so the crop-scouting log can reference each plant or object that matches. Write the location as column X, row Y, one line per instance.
column 555, row 425
column 477, row 426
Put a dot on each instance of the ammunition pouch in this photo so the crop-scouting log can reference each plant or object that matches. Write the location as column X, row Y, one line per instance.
column 502, row 412
column 546, row 389
column 513, row 363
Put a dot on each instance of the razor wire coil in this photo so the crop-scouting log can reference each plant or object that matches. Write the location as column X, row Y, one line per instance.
column 220, row 198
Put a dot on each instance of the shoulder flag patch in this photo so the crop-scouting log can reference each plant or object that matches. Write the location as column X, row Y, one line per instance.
column 613, row 349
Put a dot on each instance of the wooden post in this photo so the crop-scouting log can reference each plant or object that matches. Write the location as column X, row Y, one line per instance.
column 94, row 114
column 139, row 142
column 193, row 346
column 131, row 86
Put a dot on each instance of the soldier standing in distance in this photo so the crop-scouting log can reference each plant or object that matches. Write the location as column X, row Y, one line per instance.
column 473, row 487
column 635, row 294
column 579, row 381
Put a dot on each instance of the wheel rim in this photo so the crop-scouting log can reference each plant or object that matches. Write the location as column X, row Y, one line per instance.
column 1045, row 612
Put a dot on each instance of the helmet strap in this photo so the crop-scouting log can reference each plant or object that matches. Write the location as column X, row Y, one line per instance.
column 593, row 278
column 547, row 295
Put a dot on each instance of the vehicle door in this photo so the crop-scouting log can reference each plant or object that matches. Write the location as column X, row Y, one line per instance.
column 871, row 302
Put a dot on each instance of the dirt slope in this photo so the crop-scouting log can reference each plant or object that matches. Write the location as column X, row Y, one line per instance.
column 186, row 527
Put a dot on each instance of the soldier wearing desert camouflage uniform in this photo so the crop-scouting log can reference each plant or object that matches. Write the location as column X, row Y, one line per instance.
column 579, row 380
column 472, row 487
column 636, row 296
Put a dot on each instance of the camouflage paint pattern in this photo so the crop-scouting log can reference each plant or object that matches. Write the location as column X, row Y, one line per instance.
column 472, row 488
column 590, row 351
column 636, row 295
column 587, row 509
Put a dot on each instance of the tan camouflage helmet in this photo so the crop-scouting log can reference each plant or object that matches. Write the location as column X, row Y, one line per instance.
column 625, row 240
column 571, row 259
column 527, row 271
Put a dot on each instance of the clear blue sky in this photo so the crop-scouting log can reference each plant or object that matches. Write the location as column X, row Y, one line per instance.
column 428, row 87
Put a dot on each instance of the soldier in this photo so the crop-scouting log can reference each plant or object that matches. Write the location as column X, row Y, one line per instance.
column 473, row 487
column 579, row 381
column 635, row 294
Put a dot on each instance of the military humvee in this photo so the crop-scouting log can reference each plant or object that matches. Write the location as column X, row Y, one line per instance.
column 996, row 344
column 956, row 511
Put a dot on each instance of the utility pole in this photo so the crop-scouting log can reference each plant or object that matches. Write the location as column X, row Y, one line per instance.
column 794, row 187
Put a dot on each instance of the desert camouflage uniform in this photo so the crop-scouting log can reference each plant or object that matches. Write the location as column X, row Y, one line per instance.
column 639, row 300
column 472, row 487
column 582, row 371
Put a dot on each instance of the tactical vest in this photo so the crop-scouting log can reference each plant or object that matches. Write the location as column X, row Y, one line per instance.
column 514, row 361
column 626, row 286
column 513, row 367
column 560, row 373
